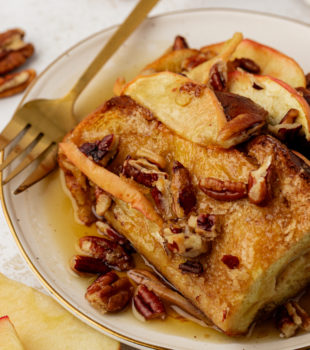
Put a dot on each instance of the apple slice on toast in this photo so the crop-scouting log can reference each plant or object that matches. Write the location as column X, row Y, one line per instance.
column 276, row 96
column 271, row 62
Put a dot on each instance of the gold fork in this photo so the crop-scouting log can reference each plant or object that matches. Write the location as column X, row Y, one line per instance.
column 42, row 123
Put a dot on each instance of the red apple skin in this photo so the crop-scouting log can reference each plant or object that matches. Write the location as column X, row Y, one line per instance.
column 238, row 75
column 271, row 61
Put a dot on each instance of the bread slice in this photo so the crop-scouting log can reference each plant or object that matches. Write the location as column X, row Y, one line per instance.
column 271, row 243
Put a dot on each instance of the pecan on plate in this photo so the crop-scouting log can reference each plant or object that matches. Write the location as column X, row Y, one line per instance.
column 179, row 43
column 81, row 264
column 101, row 151
column 183, row 193
column 246, row 64
column 12, row 84
column 109, row 293
column 13, row 50
column 142, row 171
column 223, row 190
column 148, row 304
column 259, row 183
column 110, row 252
column 290, row 317
column 103, row 228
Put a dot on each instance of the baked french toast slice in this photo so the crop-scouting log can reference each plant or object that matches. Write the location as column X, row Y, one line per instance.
column 252, row 254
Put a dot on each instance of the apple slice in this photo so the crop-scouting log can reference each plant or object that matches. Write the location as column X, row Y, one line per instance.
column 110, row 182
column 8, row 336
column 270, row 61
column 201, row 73
column 272, row 94
column 42, row 324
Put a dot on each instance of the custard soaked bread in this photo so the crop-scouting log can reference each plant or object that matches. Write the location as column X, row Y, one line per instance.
column 229, row 229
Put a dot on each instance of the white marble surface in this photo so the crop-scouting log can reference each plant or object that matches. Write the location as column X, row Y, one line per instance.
column 54, row 26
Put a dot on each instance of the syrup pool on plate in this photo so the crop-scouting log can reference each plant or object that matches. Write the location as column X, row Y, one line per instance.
column 67, row 232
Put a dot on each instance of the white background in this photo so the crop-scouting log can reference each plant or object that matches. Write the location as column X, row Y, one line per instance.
column 54, row 26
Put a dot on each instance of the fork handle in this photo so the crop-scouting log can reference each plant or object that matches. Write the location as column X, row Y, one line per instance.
column 123, row 32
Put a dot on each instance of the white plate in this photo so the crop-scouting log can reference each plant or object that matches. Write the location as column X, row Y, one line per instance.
column 29, row 214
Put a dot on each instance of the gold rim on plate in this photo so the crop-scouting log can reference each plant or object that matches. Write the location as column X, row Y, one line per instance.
column 46, row 284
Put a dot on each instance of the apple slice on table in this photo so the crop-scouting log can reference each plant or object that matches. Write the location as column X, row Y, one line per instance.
column 42, row 324
column 8, row 336
column 274, row 95
column 271, row 61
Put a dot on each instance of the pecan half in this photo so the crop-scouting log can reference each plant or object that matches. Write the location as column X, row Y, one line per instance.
column 101, row 151
column 189, row 266
column 12, row 84
column 259, row 183
column 13, row 50
column 148, row 304
column 110, row 252
column 231, row 261
column 107, row 230
column 179, row 43
column 152, row 283
column 109, row 293
column 142, row 171
column 218, row 78
column 246, row 64
column 290, row 317
column 183, row 193
column 81, row 264
column 223, row 190
column 152, row 157
column 285, row 132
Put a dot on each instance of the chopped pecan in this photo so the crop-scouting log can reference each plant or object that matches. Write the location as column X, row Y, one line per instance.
column 85, row 264
column 179, row 43
column 217, row 78
column 112, row 253
column 246, row 64
column 152, row 157
column 101, row 151
column 109, row 293
column 205, row 224
column 186, row 244
column 142, row 171
column 12, row 84
column 13, row 50
column 148, row 303
column 192, row 88
column 152, row 283
column 231, row 261
column 259, row 184
column 223, row 190
column 103, row 201
column 183, row 193
column 191, row 267
column 290, row 117
column 290, row 317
